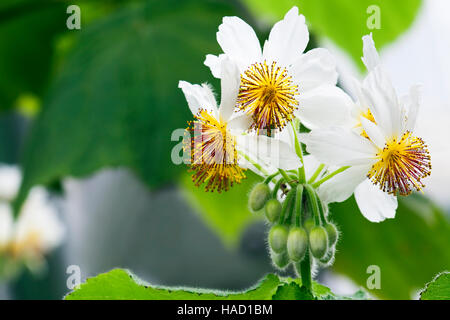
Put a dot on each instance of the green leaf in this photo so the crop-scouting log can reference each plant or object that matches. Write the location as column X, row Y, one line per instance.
column 27, row 32
column 438, row 289
column 345, row 21
column 122, row 284
column 409, row 249
column 225, row 213
column 292, row 291
column 116, row 100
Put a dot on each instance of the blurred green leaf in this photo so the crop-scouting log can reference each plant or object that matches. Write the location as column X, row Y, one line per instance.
column 122, row 284
column 226, row 213
column 409, row 249
column 116, row 101
column 438, row 289
column 345, row 21
column 27, row 33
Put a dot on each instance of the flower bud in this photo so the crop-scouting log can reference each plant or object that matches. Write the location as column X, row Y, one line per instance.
column 258, row 196
column 318, row 241
column 280, row 260
column 309, row 224
column 332, row 234
column 273, row 210
column 328, row 258
column 297, row 243
column 278, row 238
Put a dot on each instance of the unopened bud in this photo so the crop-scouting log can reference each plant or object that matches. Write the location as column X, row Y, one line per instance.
column 332, row 234
column 328, row 258
column 297, row 243
column 318, row 241
column 258, row 196
column 277, row 238
column 280, row 260
column 273, row 210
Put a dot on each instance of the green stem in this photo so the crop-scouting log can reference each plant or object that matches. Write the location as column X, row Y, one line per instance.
column 285, row 205
column 291, row 208
column 286, row 177
column 276, row 188
column 256, row 165
column 321, row 210
column 331, row 175
column 299, row 152
column 313, row 203
column 298, row 205
column 269, row 178
column 305, row 271
column 316, row 173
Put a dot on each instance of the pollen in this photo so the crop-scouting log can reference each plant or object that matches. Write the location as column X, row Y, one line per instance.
column 369, row 116
column 401, row 165
column 214, row 157
column 268, row 94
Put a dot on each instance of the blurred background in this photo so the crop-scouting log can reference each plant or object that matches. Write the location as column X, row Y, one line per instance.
column 89, row 114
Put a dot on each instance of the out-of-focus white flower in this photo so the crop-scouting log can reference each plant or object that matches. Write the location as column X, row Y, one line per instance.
column 6, row 225
column 383, row 155
column 10, row 179
column 218, row 135
column 280, row 81
column 38, row 229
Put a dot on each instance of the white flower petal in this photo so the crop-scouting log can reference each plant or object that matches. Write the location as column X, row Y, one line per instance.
column 198, row 97
column 341, row 147
column 288, row 38
column 310, row 164
column 215, row 64
column 383, row 102
column 10, row 179
column 413, row 103
column 374, row 132
column 240, row 123
column 324, row 107
column 370, row 57
column 373, row 203
column 286, row 135
column 39, row 217
column 315, row 68
column 239, row 41
column 6, row 224
column 341, row 187
column 230, row 82
column 270, row 151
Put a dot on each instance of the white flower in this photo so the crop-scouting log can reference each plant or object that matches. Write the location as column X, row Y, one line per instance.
column 383, row 155
column 280, row 81
column 37, row 230
column 10, row 179
column 219, row 149
column 6, row 225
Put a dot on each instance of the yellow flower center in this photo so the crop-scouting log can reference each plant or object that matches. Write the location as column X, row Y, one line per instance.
column 213, row 154
column 267, row 93
column 402, row 165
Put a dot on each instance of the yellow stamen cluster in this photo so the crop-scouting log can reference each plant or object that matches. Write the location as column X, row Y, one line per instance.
column 213, row 153
column 267, row 93
column 402, row 165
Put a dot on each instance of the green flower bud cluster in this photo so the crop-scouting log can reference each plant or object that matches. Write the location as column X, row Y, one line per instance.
column 299, row 227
